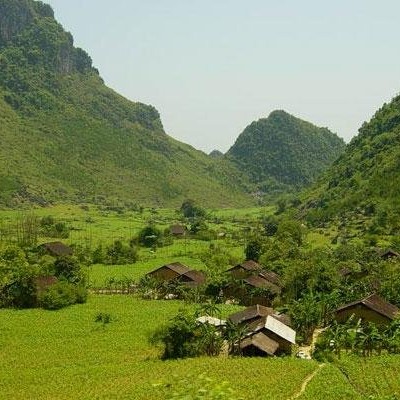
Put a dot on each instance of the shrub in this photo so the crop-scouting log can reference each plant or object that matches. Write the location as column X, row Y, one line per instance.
column 59, row 295
column 69, row 269
column 119, row 253
column 150, row 236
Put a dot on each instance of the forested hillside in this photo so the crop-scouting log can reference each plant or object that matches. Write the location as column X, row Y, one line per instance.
column 365, row 180
column 282, row 152
column 67, row 137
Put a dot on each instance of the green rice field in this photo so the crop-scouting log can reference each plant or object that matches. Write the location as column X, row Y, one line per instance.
column 66, row 355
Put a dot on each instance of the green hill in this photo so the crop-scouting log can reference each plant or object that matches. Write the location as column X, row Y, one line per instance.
column 282, row 152
column 65, row 136
column 365, row 181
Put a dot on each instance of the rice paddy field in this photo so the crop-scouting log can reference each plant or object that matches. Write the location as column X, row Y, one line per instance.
column 67, row 355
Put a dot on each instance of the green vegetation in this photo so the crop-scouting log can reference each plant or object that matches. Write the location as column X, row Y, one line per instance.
column 67, row 137
column 360, row 192
column 281, row 153
column 28, row 280
column 64, row 354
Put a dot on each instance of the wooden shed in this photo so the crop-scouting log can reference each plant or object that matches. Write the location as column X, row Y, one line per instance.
column 177, row 230
column 275, row 330
column 250, row 314
column 245, row 269
column 192, row 278
column 56, row 249
column 178, row 272
column 169, row 271
column 268, row 332
column 389, row 254
column 258, row 344
column 370, row 309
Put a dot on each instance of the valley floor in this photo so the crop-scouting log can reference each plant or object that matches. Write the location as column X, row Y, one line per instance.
column 66, row 354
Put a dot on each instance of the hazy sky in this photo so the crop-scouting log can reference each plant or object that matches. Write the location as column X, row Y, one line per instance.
column 212, row 66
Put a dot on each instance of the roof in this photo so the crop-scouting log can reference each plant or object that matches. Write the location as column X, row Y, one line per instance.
column 195, row 276
column 206, row 319
column 280, row 329
column 262, row 342
column 284, row 318
column 250, row 313
column 258, row 281
column 389, row 253
column 177, row 229
column 177, row 267
column 248, row 265
column 261, row 322
column 375, row 303
column 57, row 249
column 271, row 276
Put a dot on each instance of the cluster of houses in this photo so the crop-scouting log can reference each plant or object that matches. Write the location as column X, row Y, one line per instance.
column 244, row 278
column 268, row 332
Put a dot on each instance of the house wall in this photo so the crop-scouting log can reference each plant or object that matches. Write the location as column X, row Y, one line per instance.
column 164, row 274
column 360, row 311
column 285, row 347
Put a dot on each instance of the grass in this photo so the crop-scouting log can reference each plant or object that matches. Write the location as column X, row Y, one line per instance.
column 329, row 383
column 65, row 354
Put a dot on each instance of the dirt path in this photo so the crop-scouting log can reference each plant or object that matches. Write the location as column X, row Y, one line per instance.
column 308, row 350
column 306, row 382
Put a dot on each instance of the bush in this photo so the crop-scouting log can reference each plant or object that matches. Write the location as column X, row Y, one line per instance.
column 51, row 228
column 59, row 295
column 119, row 253
column 69, row 269
column 150, row 236
column 17, row 275
column 81, row 294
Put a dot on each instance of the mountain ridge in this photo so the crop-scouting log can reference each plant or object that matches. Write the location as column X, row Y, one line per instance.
column 282, row 152
column 68, row 137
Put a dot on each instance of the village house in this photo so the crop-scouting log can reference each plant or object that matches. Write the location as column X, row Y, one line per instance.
column 370, row 309
column 245, row 269
column 252, row 284
column 178, row 272
column 268, row 332
column 177, row 230
column 389, row 254
column 56, row 249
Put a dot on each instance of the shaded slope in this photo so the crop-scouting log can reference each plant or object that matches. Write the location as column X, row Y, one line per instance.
column 283, row 152
column 67, row 137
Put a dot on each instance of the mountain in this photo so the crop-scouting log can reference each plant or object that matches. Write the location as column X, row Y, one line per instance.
column 365, row 180
column 216, row 154
column 65, row 136
column 282, row 152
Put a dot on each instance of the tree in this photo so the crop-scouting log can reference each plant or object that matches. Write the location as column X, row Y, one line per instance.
column 189, row 209
column 68, row 268
column 179, row 337
column 291, row 229
column 149, row 236
column 306, row 315
column 253, row 250
column 119, row 253
column 17, row 285
column 234, row 335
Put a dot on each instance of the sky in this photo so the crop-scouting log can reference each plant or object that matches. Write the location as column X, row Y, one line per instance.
column 211, row 67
